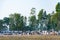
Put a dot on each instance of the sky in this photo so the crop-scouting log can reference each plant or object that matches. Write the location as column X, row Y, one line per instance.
column 23, row 7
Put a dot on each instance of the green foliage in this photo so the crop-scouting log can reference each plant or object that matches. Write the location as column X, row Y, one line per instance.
column 40, row 14
column 6, row 20
column 57, row 16
column 1, row 25
column 49, row 22
column 16, row 22
column 58, row 7
column 33, row 11
column 32, row 20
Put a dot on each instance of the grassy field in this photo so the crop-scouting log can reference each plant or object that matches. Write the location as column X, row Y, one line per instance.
column 31, row 37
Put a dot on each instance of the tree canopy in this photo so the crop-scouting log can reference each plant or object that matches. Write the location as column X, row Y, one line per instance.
column 18, row 22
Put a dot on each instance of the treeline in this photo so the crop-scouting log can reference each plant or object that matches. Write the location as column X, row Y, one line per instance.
column 18, row 22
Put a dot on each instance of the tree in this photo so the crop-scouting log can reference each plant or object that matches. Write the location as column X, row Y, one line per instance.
column 2, row 27
column 6, row 22
column 42, row 18
column 54, row 20
column 32, row 19
column 58, row 7
column 58, row 11
column 49, row 22
column 58, row 15
column 16, row 22
column 40, row 14
column 33, row 11
column 11, row 22
column 25, row 21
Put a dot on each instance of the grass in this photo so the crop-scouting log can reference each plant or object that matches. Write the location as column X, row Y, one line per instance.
column 31, row 37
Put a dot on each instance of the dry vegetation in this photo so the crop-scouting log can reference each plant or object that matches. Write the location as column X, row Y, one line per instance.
column 32, row 37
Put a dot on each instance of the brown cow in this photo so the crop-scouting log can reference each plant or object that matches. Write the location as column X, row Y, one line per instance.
column 53, row 33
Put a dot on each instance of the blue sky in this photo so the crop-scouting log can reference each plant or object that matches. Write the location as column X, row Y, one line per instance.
column 23, row 6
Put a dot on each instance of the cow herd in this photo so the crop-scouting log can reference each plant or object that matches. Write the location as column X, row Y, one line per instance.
column 30, row 33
